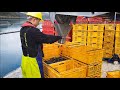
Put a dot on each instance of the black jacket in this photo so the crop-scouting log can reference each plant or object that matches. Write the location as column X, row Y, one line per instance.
column 35, row 39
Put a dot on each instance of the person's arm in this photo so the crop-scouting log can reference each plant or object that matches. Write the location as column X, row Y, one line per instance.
column 43, row 38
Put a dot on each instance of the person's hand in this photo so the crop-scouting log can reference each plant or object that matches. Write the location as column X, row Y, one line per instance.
column 66, row 37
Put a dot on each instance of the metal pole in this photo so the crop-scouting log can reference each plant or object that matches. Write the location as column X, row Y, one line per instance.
column 114, row 19
column 114, row 31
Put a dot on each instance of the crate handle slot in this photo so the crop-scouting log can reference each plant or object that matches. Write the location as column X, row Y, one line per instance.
column 95, row 25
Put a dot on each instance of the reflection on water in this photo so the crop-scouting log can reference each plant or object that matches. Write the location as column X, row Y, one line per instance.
column 10, row 49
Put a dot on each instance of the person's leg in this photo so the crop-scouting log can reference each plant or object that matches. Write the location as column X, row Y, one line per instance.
column 23, row 67
column 39, row 60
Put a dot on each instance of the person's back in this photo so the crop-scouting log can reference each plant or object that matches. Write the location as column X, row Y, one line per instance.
column 31, row 40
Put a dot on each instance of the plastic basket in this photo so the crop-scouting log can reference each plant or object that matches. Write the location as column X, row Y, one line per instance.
column 66, row 69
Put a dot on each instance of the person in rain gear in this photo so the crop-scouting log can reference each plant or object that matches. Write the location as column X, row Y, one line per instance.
column 32, row 40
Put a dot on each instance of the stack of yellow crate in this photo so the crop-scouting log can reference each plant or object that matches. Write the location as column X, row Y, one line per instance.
column 88, row 55
column 84, row 61
column 69, row 68
column 65, row 69
column 117, row 40
column 92, row 58
column 79, row 33
column 51, row 50
column 95, row 35
column 108, row 44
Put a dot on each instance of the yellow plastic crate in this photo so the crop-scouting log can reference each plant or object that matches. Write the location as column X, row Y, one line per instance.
column 79, row 33
column 68, row 49
column 90, row 27
column 117, row 44
column 49, row 71
column 94, row 70
column 80, row 27
column 64, row 51
column 85, row 49
column 71, row 50
column 108, row 39
column 113, row 74
column 100, row 42
column 93, row 58
column 95, row 45
column 49, row 52
column 107, row 45
column 79, row 39
column 50, row 56
column 95, row 34
column 65, row 69
column 109, row 27
column 62, row 66
column 117, row 34
column 101, row 27
column 46, row 76
column 117, row 50
column 81, row 42
column 75, row 27
column 117, row 39
column 88, row 57
column 107, row 55
column 108, row 50
column 94, row 40
column 98, row 68
column 73, row 47
column 109, row 33
column 95, row 27
column 90, row 70
column 99, row 54
column 117, row 27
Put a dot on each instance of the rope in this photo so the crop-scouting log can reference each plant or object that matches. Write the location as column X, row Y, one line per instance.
column 9, row 32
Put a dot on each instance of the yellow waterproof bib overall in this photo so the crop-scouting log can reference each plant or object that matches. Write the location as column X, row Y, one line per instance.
column 30, row 68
